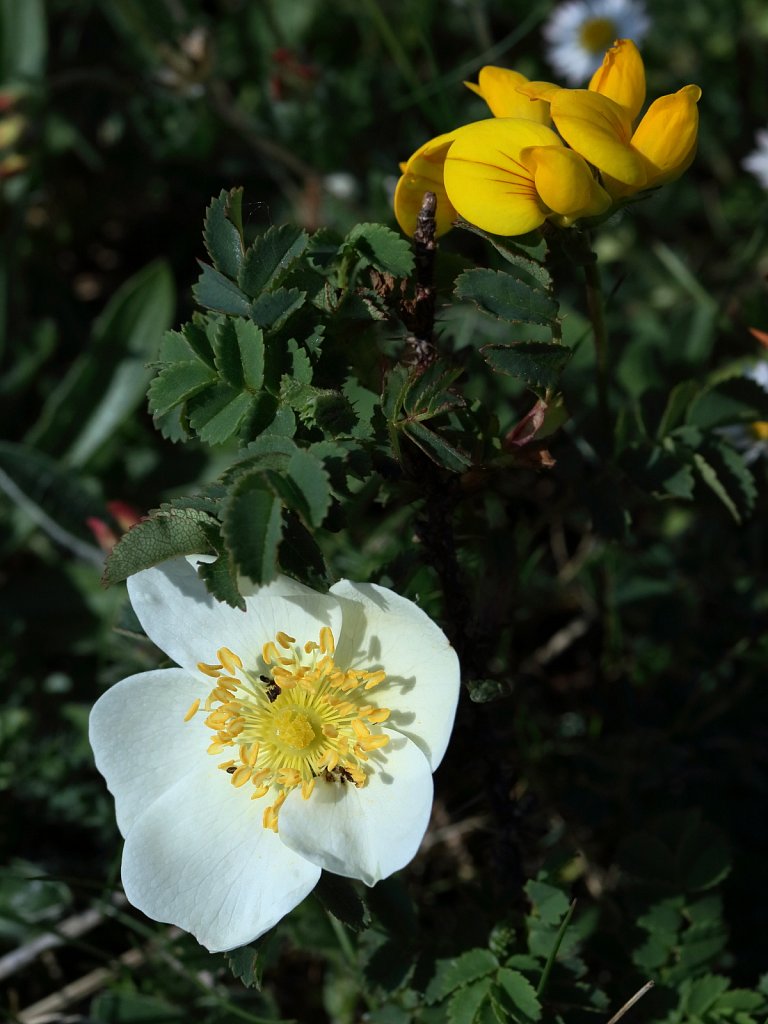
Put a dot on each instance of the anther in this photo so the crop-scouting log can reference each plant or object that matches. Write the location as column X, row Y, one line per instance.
column 209, row 670
column 284, row 640
column 269, row 653
column 241, row 776
column 327, row 643
column 192, row 710
column 229, row 660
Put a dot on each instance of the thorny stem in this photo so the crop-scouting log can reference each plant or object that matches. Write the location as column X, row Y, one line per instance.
column 422, row 308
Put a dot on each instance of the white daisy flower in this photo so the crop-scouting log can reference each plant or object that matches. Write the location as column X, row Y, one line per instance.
column 298, row 735
column 757, row 161
column 578, row 32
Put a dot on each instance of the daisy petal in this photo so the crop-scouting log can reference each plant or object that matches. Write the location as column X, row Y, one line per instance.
column 199, row 858
column 365, row 833
column 382, row 629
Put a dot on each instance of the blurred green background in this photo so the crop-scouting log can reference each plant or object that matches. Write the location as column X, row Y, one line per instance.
column 119, row 119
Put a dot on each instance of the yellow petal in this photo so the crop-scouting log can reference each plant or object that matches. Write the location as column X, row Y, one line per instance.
column 486, row 179
column 543, row 91
column 565, row 182
column 666, row 137
column 423, row 172
column 499, row 88
column 599, row 130
column 621, row 77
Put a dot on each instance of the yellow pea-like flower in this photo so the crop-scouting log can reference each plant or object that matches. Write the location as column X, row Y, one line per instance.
column 598, row 123
column 501, row 90
column 423, row 172
column 621, row 77
column 508, row 175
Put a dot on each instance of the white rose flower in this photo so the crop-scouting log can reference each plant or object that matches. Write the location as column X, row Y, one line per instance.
column 298, row 735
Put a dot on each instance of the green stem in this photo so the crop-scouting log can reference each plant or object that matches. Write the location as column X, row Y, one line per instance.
column 597, row 319
column 553, row 954
column 348, row 951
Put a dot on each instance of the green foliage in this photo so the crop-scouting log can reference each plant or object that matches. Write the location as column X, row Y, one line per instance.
column 507, row 297
column 597, row 560
column 167, row 534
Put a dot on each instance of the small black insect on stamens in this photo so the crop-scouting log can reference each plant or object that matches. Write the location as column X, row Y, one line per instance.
column 273, row 690
column 232, row 769
column 337, row 774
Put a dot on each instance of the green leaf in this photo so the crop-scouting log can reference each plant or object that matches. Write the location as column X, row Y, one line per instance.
column 340, row 898
column 680, row 397
column 250, row 341
column 23, row 41
column 381, row 248
column 270, row 257
column 703, row 856
column 520, row 993
column 437, row 448
column 505, row 297
column 215, row 291
column 217, row 414
column 252, row 527
column 334, row 414
column 461, row 970
column 700, row 994
column 731, row 401
column 140, row 311
column 311, row 479
column 239, row 353
column 222, row 238
column 428, row 393
column 197, row 338
column 52, row 496
column 301, row 556
column 537, row 363
column 154, row 540
column 272, row 309
column 301, row 363
column 739, row 999
column 482, row 691
column 220, row 580
column 465, row 1002
column 550, row 904
column 177, row 383
column 227, row 353
column 125, row 337
column 724, row 471
column 247, row 962
column 516, row 256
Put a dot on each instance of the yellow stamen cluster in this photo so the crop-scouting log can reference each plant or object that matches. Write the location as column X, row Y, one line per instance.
column 297, row 717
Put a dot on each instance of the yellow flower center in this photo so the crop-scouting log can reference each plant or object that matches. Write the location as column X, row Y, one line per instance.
column 597, row 34
column 293, row 719
column 760, row 429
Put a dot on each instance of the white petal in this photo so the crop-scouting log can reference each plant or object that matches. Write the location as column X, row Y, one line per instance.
column 364, row 833
column 140, row 740
column 190, row 625
column 199, row 858
column 380, row 629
